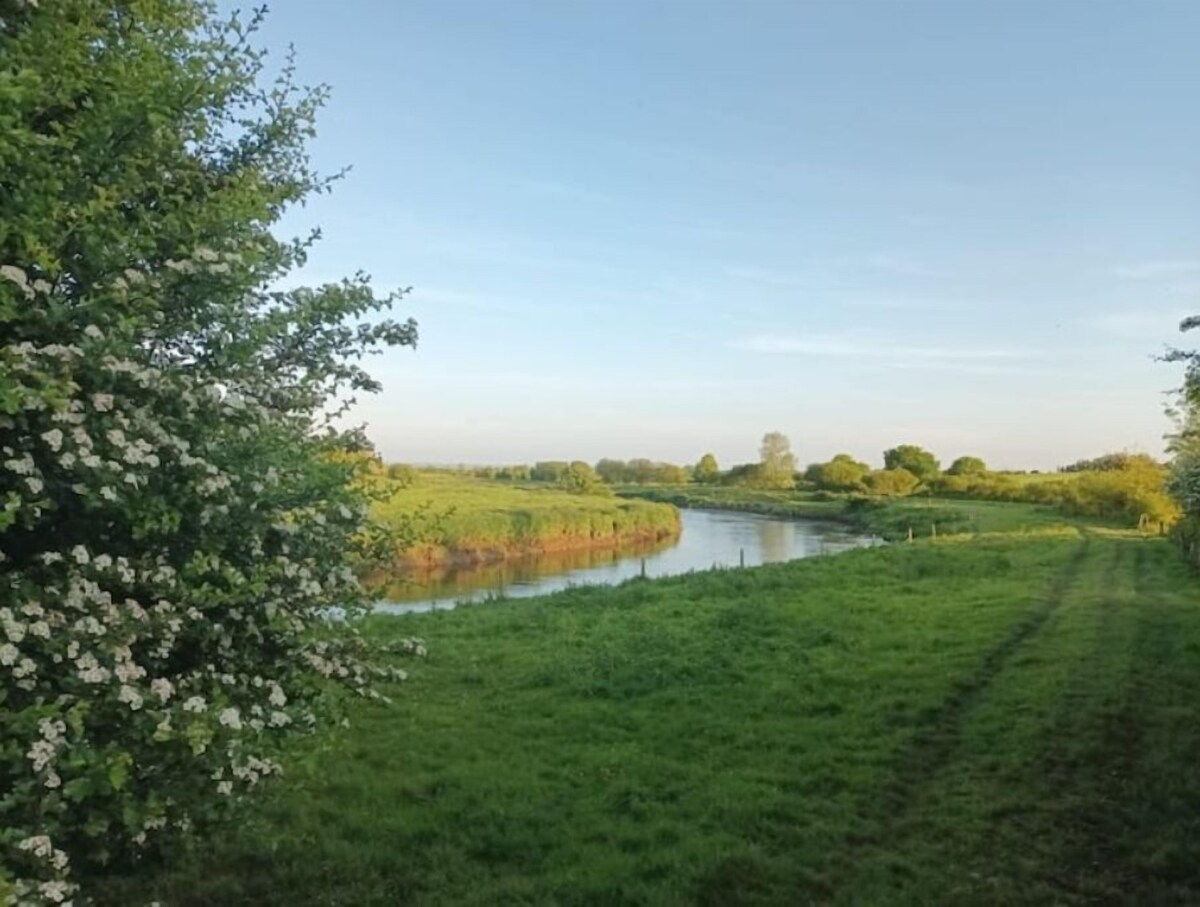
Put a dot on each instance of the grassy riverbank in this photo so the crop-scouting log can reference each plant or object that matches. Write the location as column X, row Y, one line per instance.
column 1007, row 719
column 454, row 518
column 889, row 518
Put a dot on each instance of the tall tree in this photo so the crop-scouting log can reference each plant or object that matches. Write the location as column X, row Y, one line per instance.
column 706, row 469
column 777, row 463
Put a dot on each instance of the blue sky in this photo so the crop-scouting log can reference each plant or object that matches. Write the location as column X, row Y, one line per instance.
column 664, row 228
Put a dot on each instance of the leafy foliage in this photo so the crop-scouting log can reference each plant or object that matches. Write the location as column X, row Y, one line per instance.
column 641, row 471
column 916, row 460
column 842, row 473
column 894, row 482
column 1111, row 462
column 967, row 466
column 177, row 523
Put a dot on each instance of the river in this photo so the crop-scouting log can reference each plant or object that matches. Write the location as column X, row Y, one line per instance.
column 710, row 538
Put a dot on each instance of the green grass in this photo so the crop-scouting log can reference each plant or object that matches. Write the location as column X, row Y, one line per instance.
column 948, row 516
column 447, row 515
column 1010, row 719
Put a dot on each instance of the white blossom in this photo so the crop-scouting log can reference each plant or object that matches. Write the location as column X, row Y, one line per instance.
column 130, row 696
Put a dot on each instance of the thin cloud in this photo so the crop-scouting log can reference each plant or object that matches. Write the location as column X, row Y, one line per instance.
column 1158, row 270
column 858, row 348
column 765, row 275
column 1140, row 323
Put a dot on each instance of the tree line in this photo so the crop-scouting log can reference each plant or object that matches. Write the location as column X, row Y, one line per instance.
column 1119, row 486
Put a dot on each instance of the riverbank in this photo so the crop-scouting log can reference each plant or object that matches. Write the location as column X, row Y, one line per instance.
column 449, row 520
column 1005, row 719
column 892, row 519
column 709, row 538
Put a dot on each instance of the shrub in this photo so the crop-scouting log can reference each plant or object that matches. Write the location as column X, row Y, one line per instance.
column 179, row 523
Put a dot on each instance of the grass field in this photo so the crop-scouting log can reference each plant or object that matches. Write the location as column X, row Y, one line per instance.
column 1010, row 719
column 449, row 517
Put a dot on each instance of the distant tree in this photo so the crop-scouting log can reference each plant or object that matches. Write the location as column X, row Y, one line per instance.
column 707, row 470
column 744, row 474
column 513, row 473
column 917, row 460
column 612, row 471
column 891, row 482
column 842, row 473
column 777, row 463
column 967, row 466
column 580, row 478
column 549, row 470
column 1112, row 462
column 670, row 474
column 641, row 471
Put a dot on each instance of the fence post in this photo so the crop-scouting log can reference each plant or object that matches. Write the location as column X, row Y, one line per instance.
column 742, row 557
column 910, row 537
column 933, row 531
column 643, row 568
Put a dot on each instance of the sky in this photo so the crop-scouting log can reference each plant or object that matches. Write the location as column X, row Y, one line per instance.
column 636, row 228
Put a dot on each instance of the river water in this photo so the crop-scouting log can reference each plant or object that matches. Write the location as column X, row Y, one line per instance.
column 710, row 538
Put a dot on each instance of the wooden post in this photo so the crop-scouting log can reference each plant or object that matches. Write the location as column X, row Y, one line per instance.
column 643, row 568
column 933, row 531
column 910, row 537
column 742, row 557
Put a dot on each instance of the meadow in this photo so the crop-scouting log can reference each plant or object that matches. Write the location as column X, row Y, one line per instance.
column 1005, row 718
column 445, row 517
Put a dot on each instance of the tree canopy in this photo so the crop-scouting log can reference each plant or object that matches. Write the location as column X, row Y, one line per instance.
column 917, row 460
column 842, row 473
column 895, row 482
column 967, row 466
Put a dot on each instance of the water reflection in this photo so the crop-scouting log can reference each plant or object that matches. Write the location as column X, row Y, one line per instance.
column 776, row 539
column 457, row 582
column 709, row 539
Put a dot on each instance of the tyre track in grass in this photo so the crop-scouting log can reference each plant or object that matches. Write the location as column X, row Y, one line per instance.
column 1103, row 864
column 937, row 735
column 934, row 744
column 1082, row 806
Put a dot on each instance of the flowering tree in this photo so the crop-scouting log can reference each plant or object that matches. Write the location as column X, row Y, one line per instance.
column 178, row 519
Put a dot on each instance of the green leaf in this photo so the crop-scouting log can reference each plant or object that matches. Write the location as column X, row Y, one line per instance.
column 118, row 769
column 77, row 789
